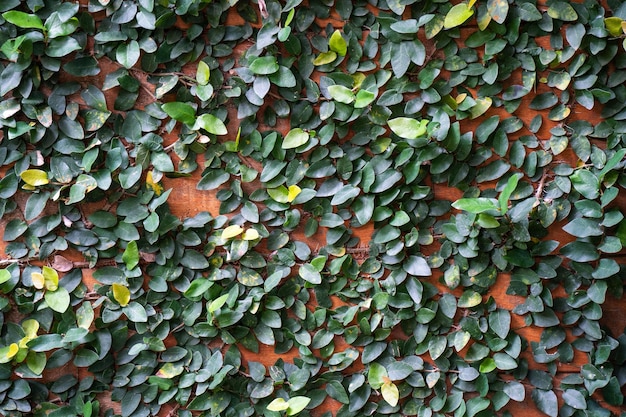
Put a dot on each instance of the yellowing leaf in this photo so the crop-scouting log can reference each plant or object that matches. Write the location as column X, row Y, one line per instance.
column 390, row 393
column 7, row 353
column 51, row 278
column 457, row 15
column 250, row 234
column 325, row 58
column 232, row 231
column 338, row 44
column 169, row 370
column 34, row 177
column 293, row 192
column 121, row 294
column 154, row 186
column 38, row 280
column 278, row 404
column 203, row 73
column 30, row 327
column 482, row 105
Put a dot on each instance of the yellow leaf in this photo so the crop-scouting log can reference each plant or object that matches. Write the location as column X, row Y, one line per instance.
column 250, row 234
column 154, row 186
column 121, row 294
column 232, row 231
column 7, row 353
column 51, row 278
column 35, row 177
column 294, row 190
column 38, row 280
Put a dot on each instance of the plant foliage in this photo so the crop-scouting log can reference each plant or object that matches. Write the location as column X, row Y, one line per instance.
column 380, row 168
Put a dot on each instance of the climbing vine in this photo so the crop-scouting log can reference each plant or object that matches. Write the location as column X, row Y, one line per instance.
column 380, row 168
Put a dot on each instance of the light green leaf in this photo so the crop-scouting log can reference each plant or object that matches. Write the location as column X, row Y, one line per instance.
column 408, row 128
column 476, row 205
column 482, row 105
column 341, row 94
column 338, row 44
column 203, row 73
column 128, row 54
column 363, row 99
column 51, row 278
column 131, row 255
column 264, row 65
column 297, row 404
column 278, row 404
column 504, row 196
column 457, row 15
column 310, row 274
column 390, row 393
column 295, row 138
column 23, row 20
column 376, row 375
column 182, row 112
column 211, row 124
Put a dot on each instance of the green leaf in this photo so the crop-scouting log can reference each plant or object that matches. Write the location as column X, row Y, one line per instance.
column 295, row 138
column 482, row 105
column 562, row 10
column 457, row 15
column 264, row 65
column 341, row 94
column 515, row 391
column 128, row 54
column 135, row 312
column 297, row 404
column 611, row 163
column 376, row 375
column 182, row 112
column 408, row 128
column 469, row 299
column 211, row 124
column 310, row 274
column 500, row 322
column 58, row 300
column 337, row 43
column 23, row 20
column 586, row 183
column 131, row 255
column 510, row 187
column 36, row 362
column 546, row 401
column 584, row 227
column 363, row 99
column 61, row 47
column 34, row 177
column 476, row 205
column 390, row 393
column 498, row 10
column 417, row 266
